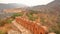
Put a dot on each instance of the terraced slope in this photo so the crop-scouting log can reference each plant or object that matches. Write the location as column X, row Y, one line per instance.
column 22, row 29
column 33, row 27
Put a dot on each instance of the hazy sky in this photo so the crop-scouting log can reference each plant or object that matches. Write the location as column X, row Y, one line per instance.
column 28, row 2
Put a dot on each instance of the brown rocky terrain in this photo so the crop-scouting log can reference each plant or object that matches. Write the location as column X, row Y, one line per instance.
column 42, row 15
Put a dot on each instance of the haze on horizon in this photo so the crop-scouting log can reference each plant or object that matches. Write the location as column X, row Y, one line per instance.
column 27, row 2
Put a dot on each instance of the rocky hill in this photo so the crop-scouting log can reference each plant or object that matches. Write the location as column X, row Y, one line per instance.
column 46, row 15
column 52, row 10
column 52, row 7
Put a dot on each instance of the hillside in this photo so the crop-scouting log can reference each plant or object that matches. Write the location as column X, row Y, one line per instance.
column 42, row 15
column 53, row 11
column 52, row 7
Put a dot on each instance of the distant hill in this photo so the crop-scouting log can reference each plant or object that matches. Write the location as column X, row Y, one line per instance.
column 12, row 5
column 9, row 6
column 52, row 7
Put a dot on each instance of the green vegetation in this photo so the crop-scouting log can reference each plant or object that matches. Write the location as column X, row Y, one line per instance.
column 9, row 21
column 1, row 32
column 33, row 12
column 16, row 14
column 58, row 31
column 42, row 20
column 6, row 21
column 54, row 30
column 58, row 24
column 31, row 16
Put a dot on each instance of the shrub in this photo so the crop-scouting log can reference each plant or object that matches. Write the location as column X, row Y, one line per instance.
column 31, row 17
column 9, row 21
column 16, row 14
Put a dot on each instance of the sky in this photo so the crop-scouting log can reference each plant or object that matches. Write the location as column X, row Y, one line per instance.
column 27, row 2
